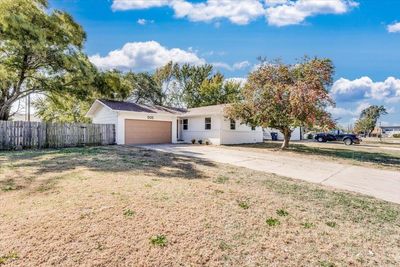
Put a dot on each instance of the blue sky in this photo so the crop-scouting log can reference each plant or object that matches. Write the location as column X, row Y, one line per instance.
column 362, row 38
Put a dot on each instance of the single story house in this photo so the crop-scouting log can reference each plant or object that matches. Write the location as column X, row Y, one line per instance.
column 389, row 131
column 150, row 124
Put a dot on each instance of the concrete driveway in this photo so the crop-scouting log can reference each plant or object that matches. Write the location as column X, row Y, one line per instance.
column 383, row 184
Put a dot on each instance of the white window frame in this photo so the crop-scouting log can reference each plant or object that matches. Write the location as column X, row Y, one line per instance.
column 232, row 123
column 185, row 124
column 207, row 123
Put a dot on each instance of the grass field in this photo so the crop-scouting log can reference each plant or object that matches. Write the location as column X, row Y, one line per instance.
column 367, row 154
column 120, row 206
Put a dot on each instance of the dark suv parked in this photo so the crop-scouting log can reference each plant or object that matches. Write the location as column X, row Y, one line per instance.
column 347, row 139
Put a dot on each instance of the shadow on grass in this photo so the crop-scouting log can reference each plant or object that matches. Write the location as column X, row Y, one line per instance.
column 381, row 158
column 101, row 159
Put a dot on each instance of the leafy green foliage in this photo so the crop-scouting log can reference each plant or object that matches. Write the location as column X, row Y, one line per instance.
column 9, row 185
column 284, row 96
column 170, row 85
column 58, row 108
column 282, row 213
column 66, row 107
column 189, row 79
column 273, row 222
column 8, row 257
column 221, row 179
column 129, row 213
column 145, row 89
column 368, row 119
column 326, row 264
column 159, row 240
column 202, row 88
column 331, row 224
column 216, row 90
column 244, row 204
column 40, row 51
column 307, row 225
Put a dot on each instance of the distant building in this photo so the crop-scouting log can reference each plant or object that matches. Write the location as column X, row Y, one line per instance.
column 389, row 131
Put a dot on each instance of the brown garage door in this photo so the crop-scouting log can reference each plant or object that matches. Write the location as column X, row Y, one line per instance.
column 147, row 132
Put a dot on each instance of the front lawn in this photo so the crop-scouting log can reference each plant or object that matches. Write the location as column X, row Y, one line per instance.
column 367, row 154
column 109, row 206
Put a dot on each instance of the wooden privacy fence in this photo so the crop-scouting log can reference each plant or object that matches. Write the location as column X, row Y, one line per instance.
column 25, row 135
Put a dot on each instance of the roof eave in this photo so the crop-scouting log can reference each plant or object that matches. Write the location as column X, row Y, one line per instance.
column 148, row 113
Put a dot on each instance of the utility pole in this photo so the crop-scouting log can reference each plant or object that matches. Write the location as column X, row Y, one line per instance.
column 29, row 107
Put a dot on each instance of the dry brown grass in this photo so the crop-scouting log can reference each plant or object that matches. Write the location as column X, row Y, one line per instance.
column 120, row 206
column 386, row 156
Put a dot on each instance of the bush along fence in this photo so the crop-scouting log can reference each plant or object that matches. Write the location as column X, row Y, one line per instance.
column 36, row 135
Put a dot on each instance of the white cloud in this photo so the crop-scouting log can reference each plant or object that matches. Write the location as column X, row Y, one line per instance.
column 296, row 12
column 138, row 4
column 360, row 107
column 240, row 80
column 275, row 2
column 395, row 27
column 141, row 21
column 141, row 56
column 391, row 110
column 144, row 21
column 277, row 12
column 238, row 12
column 235, row 66
column 365, row 87
column 338, row 112
column 241, row 65
column 345, row 112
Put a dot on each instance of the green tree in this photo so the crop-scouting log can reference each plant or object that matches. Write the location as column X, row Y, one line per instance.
column 41, row 52
column 284, row 96
column 62, row 109
column 65, row 107
column 168, row 85
column 145, row 89
column 190, row 78
column 200, row 87
column 216, row 90
column 368, row 119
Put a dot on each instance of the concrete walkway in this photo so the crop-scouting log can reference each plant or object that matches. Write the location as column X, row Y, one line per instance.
column 383, row 184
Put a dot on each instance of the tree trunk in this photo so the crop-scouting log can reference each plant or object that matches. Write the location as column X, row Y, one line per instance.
column 287, row 133
column 4, row 113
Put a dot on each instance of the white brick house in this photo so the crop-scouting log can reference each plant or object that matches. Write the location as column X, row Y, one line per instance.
column 145, row 124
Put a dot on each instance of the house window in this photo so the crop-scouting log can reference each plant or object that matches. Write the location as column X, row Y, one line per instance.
column 253, row 128
column 208, row 123
column 185, row 124
column 233, row 124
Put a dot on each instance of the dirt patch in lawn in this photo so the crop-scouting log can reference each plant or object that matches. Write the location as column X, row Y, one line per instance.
column 109, row 206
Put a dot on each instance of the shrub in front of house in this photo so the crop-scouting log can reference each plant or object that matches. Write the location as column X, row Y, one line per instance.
column 193, row 141
column 200, row 142
column 396, row 135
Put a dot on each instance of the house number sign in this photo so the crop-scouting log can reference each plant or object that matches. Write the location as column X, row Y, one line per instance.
column 150, row 117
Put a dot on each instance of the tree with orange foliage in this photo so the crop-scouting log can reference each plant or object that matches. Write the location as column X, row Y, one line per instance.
column 286, row 96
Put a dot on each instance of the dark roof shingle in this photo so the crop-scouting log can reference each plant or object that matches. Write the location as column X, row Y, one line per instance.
column 129, row 106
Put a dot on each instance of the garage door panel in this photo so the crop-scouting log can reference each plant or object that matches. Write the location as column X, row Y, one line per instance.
column 147, row 132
